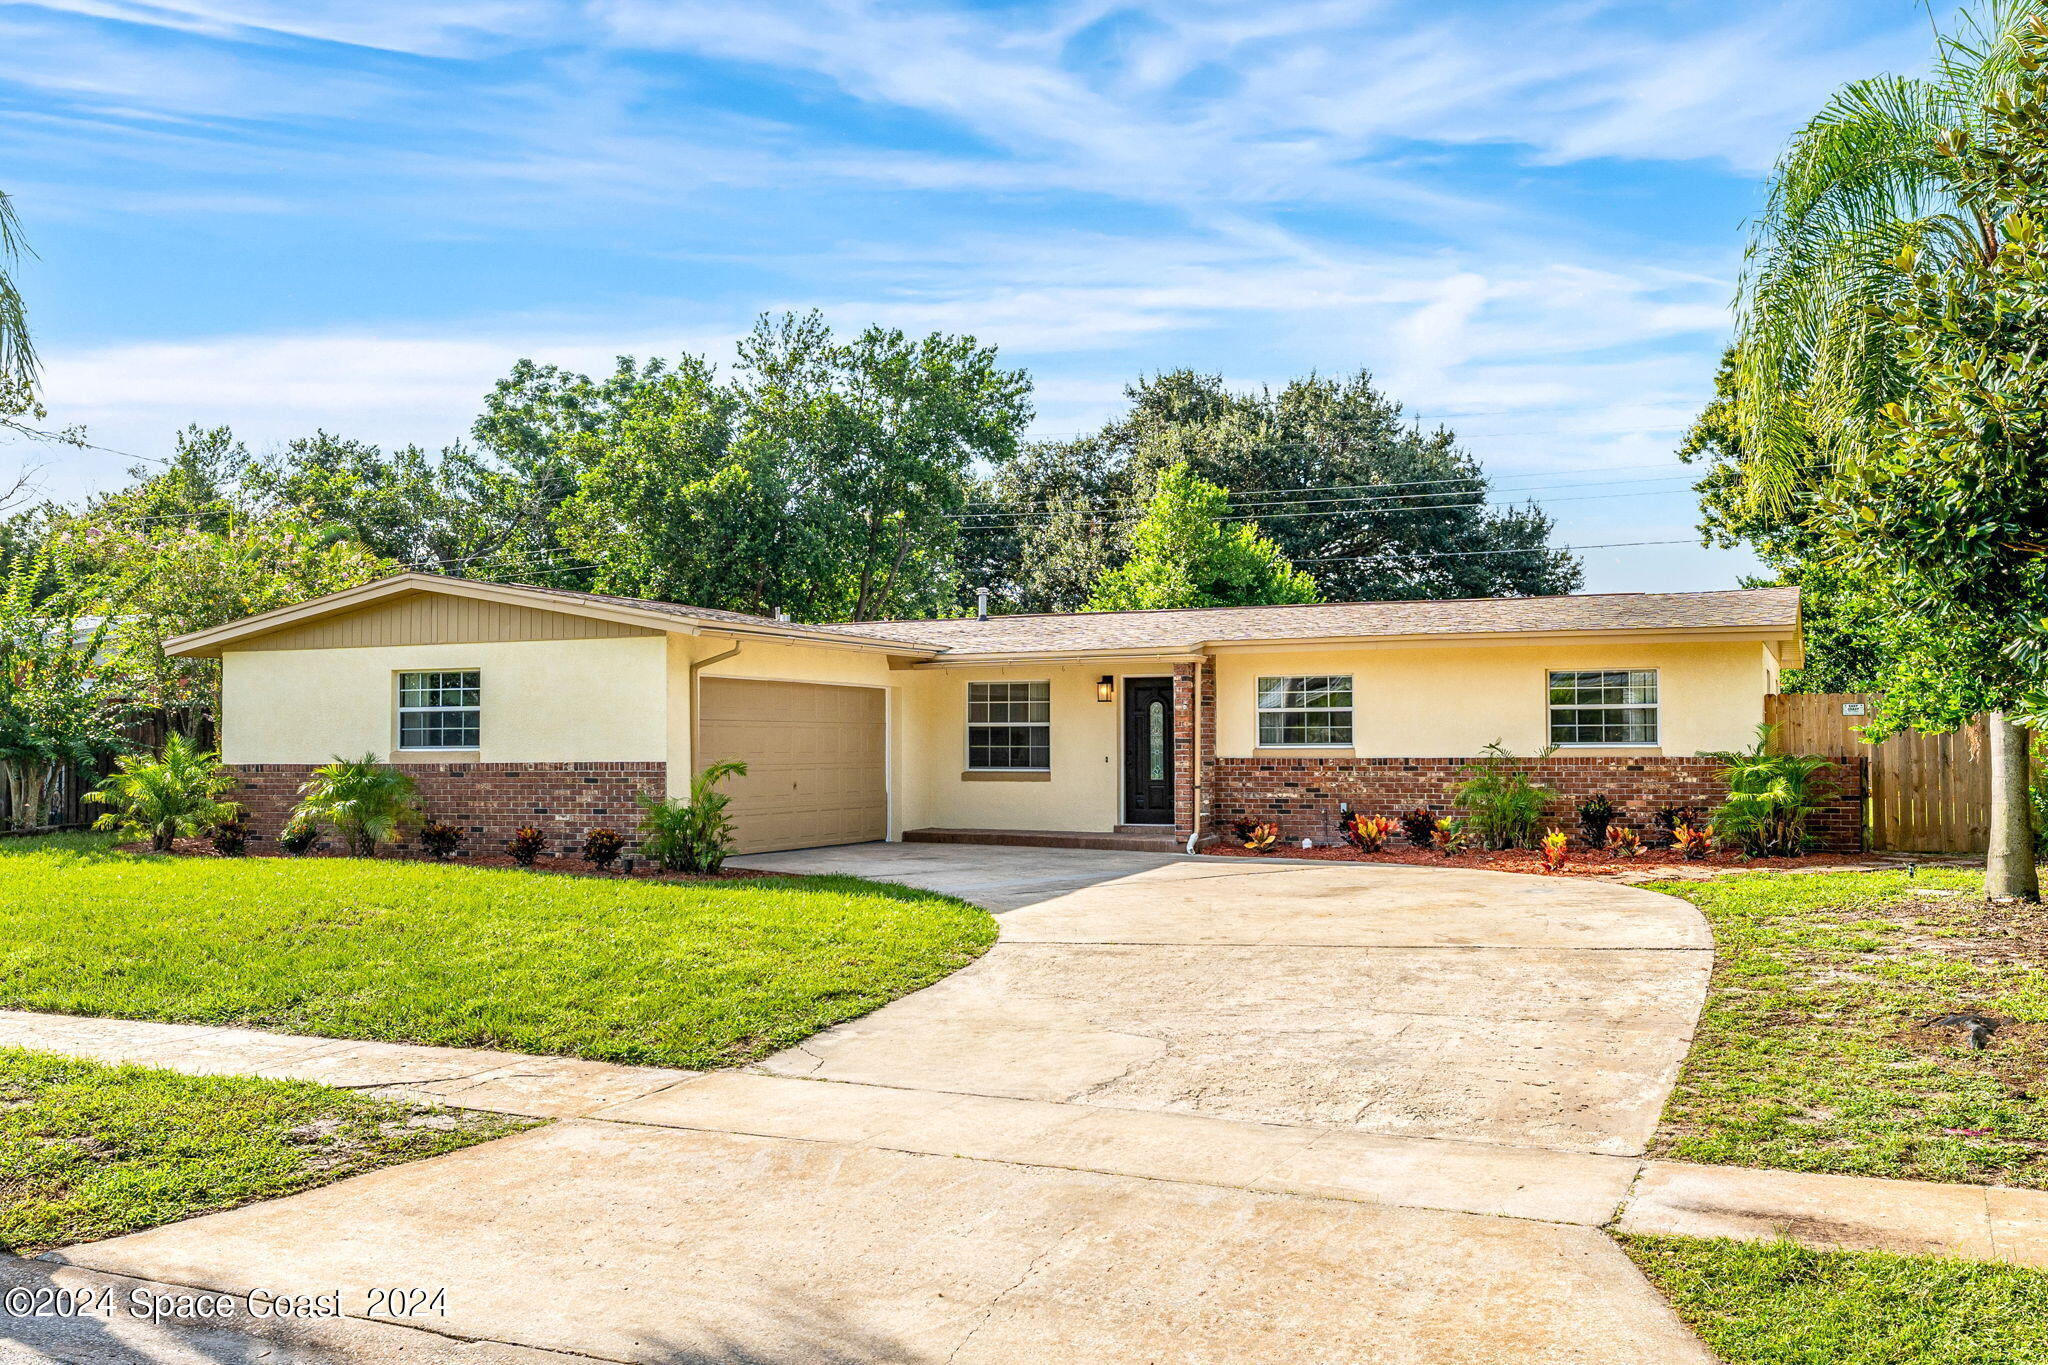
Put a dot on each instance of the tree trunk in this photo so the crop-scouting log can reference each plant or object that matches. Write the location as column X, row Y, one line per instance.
column 2009, row 871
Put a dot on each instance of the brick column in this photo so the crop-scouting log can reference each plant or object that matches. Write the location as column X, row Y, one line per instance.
column 1184, row 749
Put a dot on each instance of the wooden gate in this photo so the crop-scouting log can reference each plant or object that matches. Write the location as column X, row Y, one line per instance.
column 1927, row 793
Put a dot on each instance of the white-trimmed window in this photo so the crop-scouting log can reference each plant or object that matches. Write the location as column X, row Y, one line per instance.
column 1307, row 710
column 1613, row 706
column 440, row 710
column 1009, row 726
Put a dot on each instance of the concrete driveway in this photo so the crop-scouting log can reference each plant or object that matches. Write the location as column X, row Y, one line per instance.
column 1186, row 1110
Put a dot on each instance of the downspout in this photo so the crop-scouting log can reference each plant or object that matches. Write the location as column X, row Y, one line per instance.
column 696, row 708
column 1195, row 752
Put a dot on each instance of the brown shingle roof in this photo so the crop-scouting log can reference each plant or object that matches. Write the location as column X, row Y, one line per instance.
column 1752, row 608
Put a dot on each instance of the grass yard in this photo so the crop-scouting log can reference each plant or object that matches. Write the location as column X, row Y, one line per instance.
column 702, row 974
column 1811, row 1055
column 1774, row 1303
column 90, row 1151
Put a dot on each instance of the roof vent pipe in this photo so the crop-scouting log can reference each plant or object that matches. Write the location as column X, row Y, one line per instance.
column 981, row 604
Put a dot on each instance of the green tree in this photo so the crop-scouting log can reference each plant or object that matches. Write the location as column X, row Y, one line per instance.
column 1846, row 641
column 1835, row 364
column 887, row 429
column 440, row 512
column 825, row 478
column 687, row 501
column 160, row 579
column 1183, row 555
column 1332, row 469
column 63, row 698
column 531, row 439
column 1863, row 180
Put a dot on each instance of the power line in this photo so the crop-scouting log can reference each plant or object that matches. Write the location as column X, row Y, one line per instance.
column 1395, row 502
column 1459, row 554
column 1541, row 475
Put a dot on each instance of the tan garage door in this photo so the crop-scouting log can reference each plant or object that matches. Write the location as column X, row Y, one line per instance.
column 815, row 761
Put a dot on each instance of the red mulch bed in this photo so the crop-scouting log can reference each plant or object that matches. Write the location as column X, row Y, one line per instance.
column 1580, row 863
column 575, row 867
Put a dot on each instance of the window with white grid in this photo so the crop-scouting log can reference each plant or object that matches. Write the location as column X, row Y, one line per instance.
column 1306, row 710
column 440, row 710
column 1009, row 726
column 1604, row 706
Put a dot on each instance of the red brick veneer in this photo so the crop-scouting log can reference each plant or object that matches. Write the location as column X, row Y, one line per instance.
column 1301, row 794
column 487, row 800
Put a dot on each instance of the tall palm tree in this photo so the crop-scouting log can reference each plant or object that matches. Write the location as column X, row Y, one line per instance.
column 1862, row 180
column 1872, row 176
column 17, row 355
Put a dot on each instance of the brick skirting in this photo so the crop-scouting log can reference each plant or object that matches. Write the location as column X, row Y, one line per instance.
column 1301, row 794
column 487, row 800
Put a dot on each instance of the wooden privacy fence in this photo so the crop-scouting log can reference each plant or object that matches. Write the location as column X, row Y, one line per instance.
column 1927, row 793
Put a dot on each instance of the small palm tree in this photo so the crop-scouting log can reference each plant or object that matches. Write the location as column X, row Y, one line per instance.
column 1771, row 797
column 368, row 803
column 693, row 835
column 177, row 793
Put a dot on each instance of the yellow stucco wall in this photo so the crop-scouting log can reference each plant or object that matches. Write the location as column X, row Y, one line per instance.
column 630, row 700
column 1450, row 701
column 544, row 701
column 1084, row 786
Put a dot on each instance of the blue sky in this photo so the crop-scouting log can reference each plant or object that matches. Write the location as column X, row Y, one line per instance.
column 1524, row 218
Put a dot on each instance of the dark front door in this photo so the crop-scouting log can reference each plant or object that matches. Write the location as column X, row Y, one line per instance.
column 1148, row 751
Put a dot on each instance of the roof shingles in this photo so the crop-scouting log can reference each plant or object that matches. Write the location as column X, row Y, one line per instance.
column 1747, row 608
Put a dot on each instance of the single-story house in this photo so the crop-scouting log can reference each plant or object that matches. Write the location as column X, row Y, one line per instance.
column 520, row 705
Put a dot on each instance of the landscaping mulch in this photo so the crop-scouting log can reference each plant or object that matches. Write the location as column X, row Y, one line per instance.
column 1653, row 864
column 202, row 848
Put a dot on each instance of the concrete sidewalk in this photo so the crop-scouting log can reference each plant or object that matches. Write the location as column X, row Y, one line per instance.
column 1628, row 1194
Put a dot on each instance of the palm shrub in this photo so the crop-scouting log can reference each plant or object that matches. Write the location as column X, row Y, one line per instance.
column 692, row 835
column 178, row 793
column 1771, row 797
column 1502, row 801
column 368, row 803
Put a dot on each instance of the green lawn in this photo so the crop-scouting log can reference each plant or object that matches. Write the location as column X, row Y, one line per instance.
column 1810, row 1057
column 697, row 974
column 1773, row 1303
column 90, row 1151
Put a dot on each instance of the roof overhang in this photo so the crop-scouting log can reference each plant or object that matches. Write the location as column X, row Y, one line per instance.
column 1175, row 655
column 1787, row 636
column 211, row 643
column 1638, row 635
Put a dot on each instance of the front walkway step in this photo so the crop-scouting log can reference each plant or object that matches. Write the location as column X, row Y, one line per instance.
column 1463, row 1177
column 465, row 1078
column 1048, row 838
column 1843, row 1212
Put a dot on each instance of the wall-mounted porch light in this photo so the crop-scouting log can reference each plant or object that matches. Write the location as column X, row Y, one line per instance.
column 1106, row 689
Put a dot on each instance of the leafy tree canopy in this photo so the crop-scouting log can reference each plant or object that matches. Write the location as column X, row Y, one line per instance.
column 1338, row 478
column 1184, row 555
column 826, row 478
